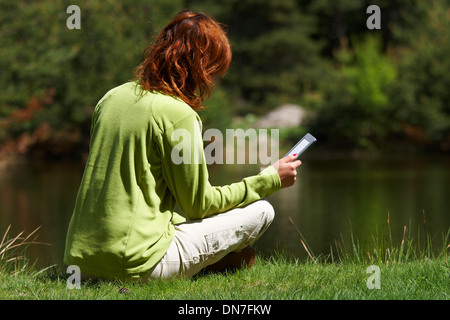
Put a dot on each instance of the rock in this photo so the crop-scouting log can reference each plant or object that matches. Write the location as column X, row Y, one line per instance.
column 284, row 116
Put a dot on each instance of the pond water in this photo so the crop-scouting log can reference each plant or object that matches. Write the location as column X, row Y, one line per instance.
column 331, row 198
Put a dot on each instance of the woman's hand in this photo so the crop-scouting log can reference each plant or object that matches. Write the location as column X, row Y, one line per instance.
column 287, row 170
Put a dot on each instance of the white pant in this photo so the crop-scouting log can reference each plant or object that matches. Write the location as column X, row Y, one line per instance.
column 200, row 243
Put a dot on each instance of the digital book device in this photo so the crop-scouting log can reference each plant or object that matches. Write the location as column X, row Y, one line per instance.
column 302, row 145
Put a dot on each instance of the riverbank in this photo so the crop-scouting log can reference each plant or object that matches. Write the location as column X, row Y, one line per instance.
column 276, row 278
column 416, row 267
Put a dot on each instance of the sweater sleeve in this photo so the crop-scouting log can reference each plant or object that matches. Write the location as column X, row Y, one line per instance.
column 186, row 174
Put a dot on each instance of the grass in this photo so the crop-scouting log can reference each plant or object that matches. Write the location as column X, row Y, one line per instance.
column 380, row 248
column 270, row 279
column 411, row 270
column 13, row 251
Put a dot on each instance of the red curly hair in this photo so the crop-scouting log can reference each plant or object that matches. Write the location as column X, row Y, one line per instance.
column 185, row 57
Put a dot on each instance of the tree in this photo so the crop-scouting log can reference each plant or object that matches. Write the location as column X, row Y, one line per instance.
column 421, row 98
column 355, row 111
column 52, row 76
column 274, row 59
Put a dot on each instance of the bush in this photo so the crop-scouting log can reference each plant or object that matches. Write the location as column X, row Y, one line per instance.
column 54, row 76
column 421, row 98
column 355, row 109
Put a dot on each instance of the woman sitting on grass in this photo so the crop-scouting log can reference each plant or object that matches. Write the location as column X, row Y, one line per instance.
column 124, row 224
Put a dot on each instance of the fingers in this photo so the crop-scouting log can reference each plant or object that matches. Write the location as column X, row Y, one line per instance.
column 291, row 159
column 288, row 158
column 296, row 163
column 287, row 170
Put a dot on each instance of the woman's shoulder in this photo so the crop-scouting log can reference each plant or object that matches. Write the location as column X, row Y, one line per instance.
column 169, row 105
column 167, row 110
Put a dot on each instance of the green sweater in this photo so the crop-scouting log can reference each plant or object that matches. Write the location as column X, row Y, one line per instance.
column 123, row 220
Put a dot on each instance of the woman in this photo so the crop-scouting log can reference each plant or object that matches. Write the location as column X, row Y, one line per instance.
column 124, row 224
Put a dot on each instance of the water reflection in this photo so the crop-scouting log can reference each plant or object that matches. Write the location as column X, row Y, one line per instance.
column 39, row 194
column 334, row 198
column 329, row 198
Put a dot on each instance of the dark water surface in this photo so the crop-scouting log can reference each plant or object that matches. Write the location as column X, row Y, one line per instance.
column 331, row 198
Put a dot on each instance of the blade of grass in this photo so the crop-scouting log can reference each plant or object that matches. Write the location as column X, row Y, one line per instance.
column 355, row 245
column 4, row 236
column 9, row 250
column 303, row 242
column 9, row 243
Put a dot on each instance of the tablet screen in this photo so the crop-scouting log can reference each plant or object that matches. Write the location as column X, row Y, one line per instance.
column 302, row 145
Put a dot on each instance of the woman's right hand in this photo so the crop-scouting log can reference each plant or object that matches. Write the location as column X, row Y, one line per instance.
column 287, row 170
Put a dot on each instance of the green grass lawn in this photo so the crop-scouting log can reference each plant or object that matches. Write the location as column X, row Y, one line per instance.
column 409, row 270
column 272, row 279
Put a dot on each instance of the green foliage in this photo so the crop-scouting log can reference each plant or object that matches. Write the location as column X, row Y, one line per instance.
column 422, row 96
column 396, row 88
column 390, row 82
column 54, row 76
column 356, row 104
column 369, row 76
